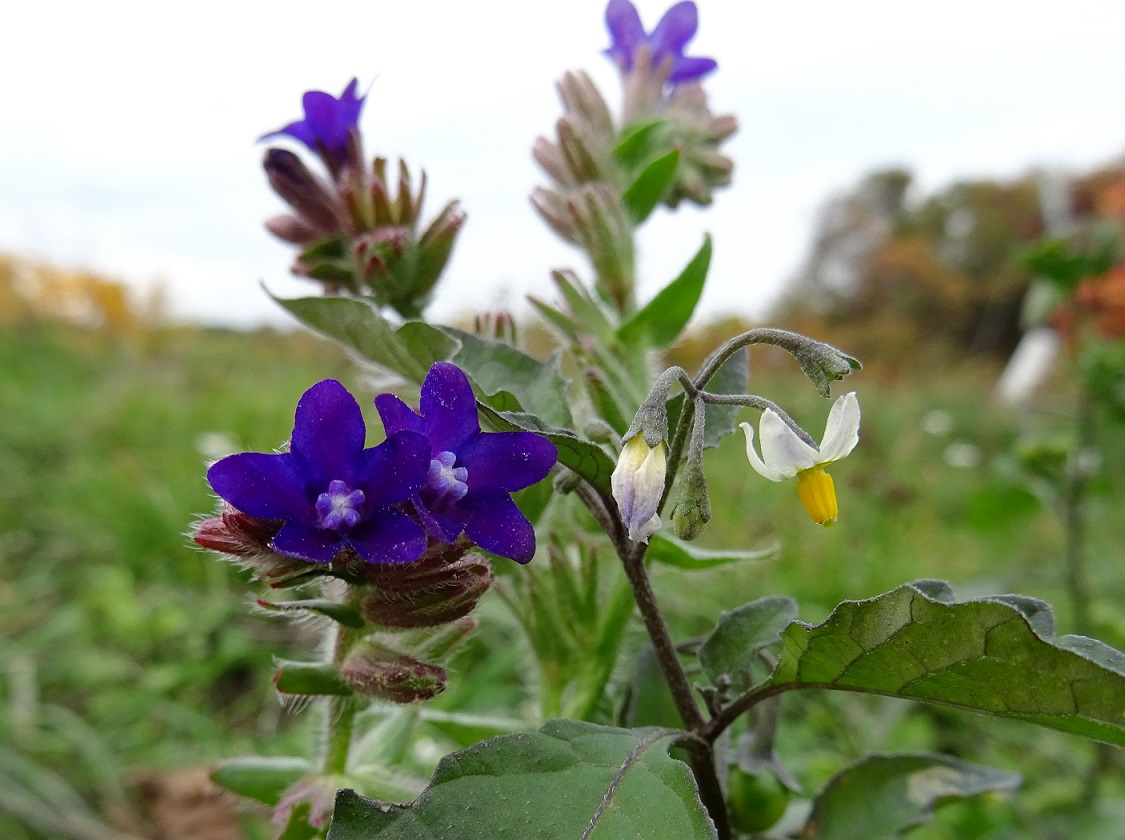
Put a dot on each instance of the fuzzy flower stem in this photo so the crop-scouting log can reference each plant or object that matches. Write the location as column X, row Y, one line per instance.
column 760, row 403
column 805, row 350
column 340, row 712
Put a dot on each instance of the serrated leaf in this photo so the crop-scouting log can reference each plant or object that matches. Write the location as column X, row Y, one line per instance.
column 685, row 555
column 664, row 317
column 881, row 796
column 993, row 655
column 651, row 185
column 260, row 778
column 340, row 613
column 586, row 459
column 732, row 378
column 567, row 781
column 733, row 646
column 538, row 387
column 408, row 351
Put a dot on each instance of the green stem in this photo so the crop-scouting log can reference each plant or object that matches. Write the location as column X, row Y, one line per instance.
column 339, row 712
column 1074, row 516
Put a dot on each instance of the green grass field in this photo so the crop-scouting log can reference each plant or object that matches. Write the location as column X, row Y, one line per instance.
column 126, row 651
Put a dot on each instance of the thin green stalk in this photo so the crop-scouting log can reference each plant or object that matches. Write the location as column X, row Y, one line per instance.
column 339, row 714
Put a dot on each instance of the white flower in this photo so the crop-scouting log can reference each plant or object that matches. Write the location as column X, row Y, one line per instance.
column 638, row 483
column 785, row 455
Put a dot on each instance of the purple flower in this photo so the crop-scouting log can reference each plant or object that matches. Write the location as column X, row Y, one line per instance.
column 329, row 491
column 667, row 40
column 328, row 122
column 471, row 473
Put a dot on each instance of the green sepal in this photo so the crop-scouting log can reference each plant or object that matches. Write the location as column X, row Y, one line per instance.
column 340, row 613
column 263, row 779
column 310, row 679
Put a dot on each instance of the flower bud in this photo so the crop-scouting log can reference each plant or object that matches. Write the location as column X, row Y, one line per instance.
column 693, row 511
column 638, row 485
column 311, row 198
column 378, row 672
column 437, row 599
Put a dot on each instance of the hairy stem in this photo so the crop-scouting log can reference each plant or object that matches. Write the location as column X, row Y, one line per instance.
column 340, row 712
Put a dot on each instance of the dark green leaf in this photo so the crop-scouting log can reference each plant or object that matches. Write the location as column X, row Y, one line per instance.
column 408, row 351
column 684, row 555
column 732, row 378
column 650, row 187
column 993, row 655
column 881, row 796
column 740, row 635
column 260, row 778
column 664, row 317
column 340, row 613
column 498, row 368
column 586, row 459
column 567, row 781
column 648, row 700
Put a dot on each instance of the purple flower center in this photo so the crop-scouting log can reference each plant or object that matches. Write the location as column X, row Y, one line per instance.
column 339, row 507
column 445, row 482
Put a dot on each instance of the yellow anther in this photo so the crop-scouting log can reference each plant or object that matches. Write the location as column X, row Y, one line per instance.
column 818, row 494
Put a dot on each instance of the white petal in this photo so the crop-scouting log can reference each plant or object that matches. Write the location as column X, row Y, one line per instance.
column 642, row 532
column 752, row 456
column 841, row 433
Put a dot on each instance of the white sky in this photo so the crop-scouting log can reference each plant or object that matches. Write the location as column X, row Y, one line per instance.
column 127, row 136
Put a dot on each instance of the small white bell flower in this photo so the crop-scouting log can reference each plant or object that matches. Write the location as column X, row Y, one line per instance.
column 637, row 484
column 785, row 455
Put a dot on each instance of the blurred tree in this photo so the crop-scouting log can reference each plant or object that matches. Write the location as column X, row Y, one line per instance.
column 889, row 276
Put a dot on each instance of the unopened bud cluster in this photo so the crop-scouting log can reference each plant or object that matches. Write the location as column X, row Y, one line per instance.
column 359, row 229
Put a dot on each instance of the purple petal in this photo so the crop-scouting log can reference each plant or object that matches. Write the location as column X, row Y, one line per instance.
column 493, row 522
column 317, row 545
column 675, row 29
column 397, row 415
column 320, row 110
column 266, row 486
column 442, row 528
column 507, row 460
column 449, row 407
column 348, row 96
column 394, row 470
column 328, row 434
column 626, row 31
column 388, row 536
column 300, row 131
column 689, row 69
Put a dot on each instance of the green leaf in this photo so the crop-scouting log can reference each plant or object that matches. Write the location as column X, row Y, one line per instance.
column 408, row 351
column 499, row 369
column 650, row 187
column 260, row 778
column 638, row 141
column 312, row 679
column 881, row 796
column 340, row 613
column 732, row 378
column 664, row 317
column 586, row 459
column 648, row 700
column 734, row 644
column 298, row 826
column 567, row 781
column 994, row 655
column 684, row 555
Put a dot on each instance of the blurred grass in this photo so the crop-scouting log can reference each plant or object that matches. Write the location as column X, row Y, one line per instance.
column 124, row 648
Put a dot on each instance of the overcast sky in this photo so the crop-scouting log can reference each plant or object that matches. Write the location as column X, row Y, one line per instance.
column 127, row 136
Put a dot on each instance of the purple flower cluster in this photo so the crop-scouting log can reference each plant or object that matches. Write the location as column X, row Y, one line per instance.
column 666, row 42
column 436, row 475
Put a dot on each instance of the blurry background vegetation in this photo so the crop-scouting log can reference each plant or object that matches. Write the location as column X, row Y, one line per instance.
column 129, row 659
